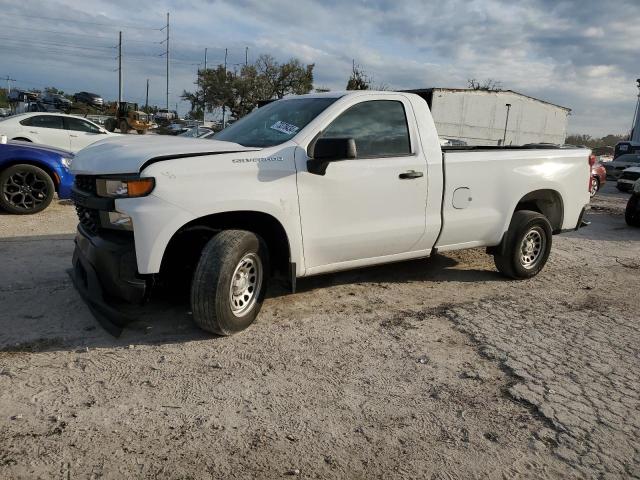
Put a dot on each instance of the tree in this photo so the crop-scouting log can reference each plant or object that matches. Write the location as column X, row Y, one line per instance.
column 4, row 102
column 240, row 91
column 591, row 142
column 489, row 85
column 358, row 79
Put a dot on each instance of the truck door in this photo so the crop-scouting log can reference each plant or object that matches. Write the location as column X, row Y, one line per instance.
column 371, row 206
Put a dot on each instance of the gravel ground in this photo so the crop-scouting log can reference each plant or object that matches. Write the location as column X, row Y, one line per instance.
column 429, row 369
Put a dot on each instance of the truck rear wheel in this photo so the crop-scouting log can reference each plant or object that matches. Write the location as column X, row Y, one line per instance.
column 526, row 247
column 230, row 282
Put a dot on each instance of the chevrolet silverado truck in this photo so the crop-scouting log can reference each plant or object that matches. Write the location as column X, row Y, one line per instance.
column 304, row 186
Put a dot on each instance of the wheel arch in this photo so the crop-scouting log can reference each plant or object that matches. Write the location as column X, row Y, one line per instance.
column 187, row 242
column 548, row 202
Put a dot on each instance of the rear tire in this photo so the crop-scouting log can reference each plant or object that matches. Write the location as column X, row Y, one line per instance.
column 526, row 247
column 595, row 186
column 632, row 212
column 25, row 189
column 110, row 124
column 230, row 282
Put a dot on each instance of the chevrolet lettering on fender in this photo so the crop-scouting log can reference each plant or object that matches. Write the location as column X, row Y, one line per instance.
column 341, row 180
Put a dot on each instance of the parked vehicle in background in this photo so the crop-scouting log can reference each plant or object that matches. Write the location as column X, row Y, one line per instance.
column 66, row 132
column 623, row 148
column 31, row 174
column 632, row 212
column 5, row 112
column 351, row 179
column 57, row 100
column 198, row 132
column 88, row 98
column 126, row 116
column 598, row 177
column 615, row 167
column 164, row 116
column 628, row 178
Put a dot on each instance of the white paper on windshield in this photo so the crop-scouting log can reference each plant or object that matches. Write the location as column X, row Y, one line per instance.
column 284, row 127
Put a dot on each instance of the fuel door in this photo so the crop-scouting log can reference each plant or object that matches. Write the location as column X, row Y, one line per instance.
column 462, row 198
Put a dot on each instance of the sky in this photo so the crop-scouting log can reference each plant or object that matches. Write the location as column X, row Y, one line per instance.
column 580, row 54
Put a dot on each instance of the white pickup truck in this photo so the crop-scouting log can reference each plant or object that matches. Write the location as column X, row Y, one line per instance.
column 304, row 186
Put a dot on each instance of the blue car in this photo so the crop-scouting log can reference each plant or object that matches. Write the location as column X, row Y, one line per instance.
column 31, row 174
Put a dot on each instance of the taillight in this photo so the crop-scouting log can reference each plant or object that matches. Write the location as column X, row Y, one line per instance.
column 592, row 162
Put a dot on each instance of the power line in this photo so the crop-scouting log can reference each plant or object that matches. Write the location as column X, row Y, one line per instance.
column 112, row 25
column 57, row 32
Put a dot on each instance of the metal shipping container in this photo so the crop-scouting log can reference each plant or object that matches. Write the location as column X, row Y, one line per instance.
column 478, row 117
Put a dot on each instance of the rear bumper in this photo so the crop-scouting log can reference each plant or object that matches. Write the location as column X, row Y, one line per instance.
column 104, row 272
column 581, row 222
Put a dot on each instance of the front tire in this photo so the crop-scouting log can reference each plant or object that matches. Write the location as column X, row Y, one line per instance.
column 632, row 212
column 124, row 127
column 141, row 132
column 230, row 282
column 25, row 189
column 527, row 245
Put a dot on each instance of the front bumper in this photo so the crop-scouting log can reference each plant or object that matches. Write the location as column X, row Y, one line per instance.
column 104, row 273
column 625, row 184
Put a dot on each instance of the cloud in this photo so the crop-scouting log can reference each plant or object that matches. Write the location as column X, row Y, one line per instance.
column 581, row 54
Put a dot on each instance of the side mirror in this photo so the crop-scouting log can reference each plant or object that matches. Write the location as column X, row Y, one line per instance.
column 327, row 150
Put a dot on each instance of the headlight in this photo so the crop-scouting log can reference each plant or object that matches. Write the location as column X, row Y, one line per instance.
column 125, row 187
column 66, row 162
column 116, row 221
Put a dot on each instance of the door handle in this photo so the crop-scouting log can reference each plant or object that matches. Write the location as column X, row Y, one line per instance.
column 410, row 175
column 33, row 131
column 73, row 136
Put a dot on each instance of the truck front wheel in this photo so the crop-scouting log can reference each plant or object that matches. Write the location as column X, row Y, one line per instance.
column 526, row 247
column 230, row 282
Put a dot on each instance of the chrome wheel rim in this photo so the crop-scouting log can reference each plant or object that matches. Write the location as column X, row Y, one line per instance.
column 25, row 190
column 594, row 186
column 246, row 283
column 531, row 248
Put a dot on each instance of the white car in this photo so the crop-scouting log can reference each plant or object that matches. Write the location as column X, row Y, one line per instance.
column 66, row 132
column 304, row 186
column 628, row 178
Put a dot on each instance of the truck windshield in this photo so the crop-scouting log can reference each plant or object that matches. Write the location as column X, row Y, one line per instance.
column 275, row 123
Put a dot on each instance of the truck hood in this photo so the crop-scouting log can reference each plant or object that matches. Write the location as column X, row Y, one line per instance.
column 128, row 153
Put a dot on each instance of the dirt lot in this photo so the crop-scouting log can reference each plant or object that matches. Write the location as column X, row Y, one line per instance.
column 433, row 369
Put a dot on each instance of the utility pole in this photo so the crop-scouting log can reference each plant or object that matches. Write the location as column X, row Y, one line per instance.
column 635, row 127
column 119, row 69
column 146, row 101
column 246, row 56
column 506, row 122
column 224, row 107
column 204, row 90
column 9, row 80
column 167, row 27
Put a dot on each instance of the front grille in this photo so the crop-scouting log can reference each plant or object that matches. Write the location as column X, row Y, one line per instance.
column 89, row 217
column 86, row 183
column 630, row 176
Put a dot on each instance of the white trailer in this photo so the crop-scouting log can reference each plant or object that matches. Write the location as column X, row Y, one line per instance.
column 479, row 117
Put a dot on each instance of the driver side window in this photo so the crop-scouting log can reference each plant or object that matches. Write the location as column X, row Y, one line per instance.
column 379, row 128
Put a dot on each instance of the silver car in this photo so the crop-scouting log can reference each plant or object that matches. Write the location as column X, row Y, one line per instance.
column 614, row 169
